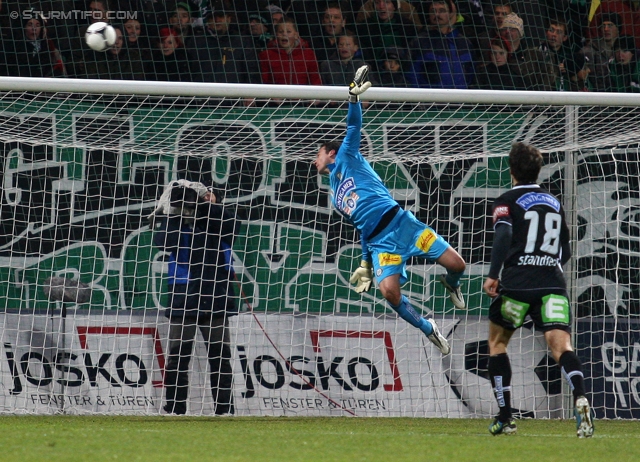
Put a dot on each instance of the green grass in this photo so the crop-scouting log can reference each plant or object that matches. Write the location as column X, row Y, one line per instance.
column 68, row 438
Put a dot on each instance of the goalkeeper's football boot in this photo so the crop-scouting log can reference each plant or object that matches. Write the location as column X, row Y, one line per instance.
column 584, row 419
column 503, row 428
column 437, row 338
column 455, row 294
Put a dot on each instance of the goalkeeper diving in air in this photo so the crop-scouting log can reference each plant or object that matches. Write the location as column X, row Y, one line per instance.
column 390, row 235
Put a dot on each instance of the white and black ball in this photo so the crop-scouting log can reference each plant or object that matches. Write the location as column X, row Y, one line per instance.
column 100, row 36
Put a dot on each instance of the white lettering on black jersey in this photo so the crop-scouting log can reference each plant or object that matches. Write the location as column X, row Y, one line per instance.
column 539, row 230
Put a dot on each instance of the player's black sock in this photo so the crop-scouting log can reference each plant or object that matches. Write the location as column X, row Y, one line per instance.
column 500, row 373
column 572, row 371
column 453, row 279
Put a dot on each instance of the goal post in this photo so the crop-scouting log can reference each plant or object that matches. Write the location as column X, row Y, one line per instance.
column 84, row 163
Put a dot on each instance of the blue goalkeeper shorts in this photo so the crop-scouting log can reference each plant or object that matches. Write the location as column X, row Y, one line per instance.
column 403, row 238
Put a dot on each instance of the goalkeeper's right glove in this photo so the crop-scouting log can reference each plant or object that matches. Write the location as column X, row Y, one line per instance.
column 362, row 277
column 360, row 84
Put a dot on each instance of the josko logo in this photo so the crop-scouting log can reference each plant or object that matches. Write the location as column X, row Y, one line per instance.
column 350, row 374
column 122, row 368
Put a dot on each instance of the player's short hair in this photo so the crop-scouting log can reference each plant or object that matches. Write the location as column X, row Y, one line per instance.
column 525, row 162
column 331, row 145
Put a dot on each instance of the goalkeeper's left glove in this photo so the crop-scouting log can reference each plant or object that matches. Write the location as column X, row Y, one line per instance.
column 362, row 277
column 360, row 84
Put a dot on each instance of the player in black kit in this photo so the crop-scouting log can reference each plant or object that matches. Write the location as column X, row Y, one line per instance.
column 531, row 244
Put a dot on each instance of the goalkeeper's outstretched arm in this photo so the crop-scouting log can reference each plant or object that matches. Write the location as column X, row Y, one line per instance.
column 360, row 84
column 362, row 277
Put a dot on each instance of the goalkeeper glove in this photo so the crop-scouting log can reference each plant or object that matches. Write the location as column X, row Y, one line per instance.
column 362, row 277
column 360, row 84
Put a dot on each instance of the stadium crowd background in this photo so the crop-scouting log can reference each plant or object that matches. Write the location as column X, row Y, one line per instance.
column 552, row 45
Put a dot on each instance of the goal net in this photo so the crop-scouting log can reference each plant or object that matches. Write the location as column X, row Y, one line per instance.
column 85, row 163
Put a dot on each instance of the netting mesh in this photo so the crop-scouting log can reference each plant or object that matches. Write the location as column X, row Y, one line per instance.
column 406, row 132
column 81, row 174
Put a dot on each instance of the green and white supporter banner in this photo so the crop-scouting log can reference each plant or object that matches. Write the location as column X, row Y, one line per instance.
column 80, row 177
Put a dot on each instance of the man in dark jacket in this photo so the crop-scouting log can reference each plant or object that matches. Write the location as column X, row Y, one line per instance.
column 387, row 28
column 198, row 234
column 324, row 40
column 223, row 54
column 553, row 64
column 442, row 56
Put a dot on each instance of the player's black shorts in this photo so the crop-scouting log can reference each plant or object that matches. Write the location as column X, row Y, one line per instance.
column 548, row 309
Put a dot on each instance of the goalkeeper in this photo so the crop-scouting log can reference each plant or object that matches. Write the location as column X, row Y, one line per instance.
column 390, row 236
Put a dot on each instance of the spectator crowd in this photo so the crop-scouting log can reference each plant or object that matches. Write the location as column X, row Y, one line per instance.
column 550, row 45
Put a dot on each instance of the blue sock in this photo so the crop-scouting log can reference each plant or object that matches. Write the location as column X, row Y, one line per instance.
column 409, row 314
column 453, row 279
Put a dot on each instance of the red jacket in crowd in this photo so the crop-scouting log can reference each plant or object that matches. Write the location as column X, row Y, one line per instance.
column 299, row 67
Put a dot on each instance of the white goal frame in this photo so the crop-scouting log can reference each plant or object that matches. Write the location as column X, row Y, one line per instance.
column 235, row 90
column 570, row 101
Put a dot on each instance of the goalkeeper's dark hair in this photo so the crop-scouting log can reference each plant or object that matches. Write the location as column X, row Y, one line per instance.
column 331, row 145
column 525, row 162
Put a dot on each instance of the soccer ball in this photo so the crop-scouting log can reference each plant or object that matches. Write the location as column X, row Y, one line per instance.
column 535, row 383
column 100, row 36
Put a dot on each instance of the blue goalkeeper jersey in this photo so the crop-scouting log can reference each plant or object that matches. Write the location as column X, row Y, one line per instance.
column 358, row 192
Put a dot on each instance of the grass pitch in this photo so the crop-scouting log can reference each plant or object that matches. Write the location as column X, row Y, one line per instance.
column 71, row 438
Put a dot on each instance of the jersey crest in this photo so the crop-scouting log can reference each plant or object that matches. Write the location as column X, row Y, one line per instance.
column 346, row 197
